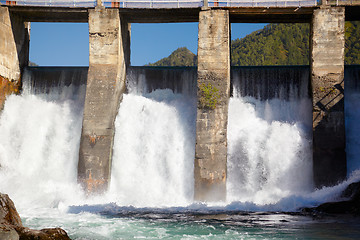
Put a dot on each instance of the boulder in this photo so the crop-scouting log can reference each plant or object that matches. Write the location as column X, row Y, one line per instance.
column 8, row 233
column 11, row 227
column 43, row 234
column 351, row 204
column 8, row 211
column 352, row 191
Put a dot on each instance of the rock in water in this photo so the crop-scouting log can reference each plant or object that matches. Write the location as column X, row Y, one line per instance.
column 349, row 206
column 8, row 211
column 8, row 232
column 352, row 191
column 9, row 219
column 11, row 227
column 43, row 234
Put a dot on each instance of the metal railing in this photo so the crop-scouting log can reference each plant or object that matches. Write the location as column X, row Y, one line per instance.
column 263, row 3
column 177, row 3
column 343, row 2
column 51, row 3
column 153, row 3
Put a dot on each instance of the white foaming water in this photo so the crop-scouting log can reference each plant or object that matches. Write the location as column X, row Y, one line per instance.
column 154, row 150
column 39, row 139
column 269, row 154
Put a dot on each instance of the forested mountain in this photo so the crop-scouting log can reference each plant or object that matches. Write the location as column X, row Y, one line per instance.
column 180, row 57
column 32, row 64
column 352, row 42
column 275, row 44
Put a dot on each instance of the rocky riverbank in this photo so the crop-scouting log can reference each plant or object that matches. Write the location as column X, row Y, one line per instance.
column 11, row 227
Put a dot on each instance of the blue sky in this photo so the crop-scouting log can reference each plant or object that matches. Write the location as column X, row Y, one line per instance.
column 66, row 44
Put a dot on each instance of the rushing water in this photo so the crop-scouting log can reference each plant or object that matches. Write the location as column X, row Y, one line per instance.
column 269, row 135
column 150, row 196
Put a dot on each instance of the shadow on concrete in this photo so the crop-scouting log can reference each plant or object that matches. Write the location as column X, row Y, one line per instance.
column 329, row 156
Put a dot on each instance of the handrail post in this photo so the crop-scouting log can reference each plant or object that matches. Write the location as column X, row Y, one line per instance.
column 206, row 3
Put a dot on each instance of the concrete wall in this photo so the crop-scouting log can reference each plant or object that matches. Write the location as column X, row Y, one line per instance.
column 105, row 86
column 212, row 110
column 14, row 52
column 327, row 74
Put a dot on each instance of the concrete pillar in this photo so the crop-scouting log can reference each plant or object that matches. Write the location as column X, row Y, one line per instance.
column 14, row 52
column 99, row 3
column 327, row 70
column 213, row 94
column 105, row 86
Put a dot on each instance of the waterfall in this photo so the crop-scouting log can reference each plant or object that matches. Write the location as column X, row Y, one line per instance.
column 155, row 139
column 62, row 83
column 39, row 138
column 180, row 80
column 153, row 148
column 269, row 135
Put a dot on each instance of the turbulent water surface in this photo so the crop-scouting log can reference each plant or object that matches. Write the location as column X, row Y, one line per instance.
column 151, row 192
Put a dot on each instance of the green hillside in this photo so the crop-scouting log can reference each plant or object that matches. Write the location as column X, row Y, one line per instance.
column 180, row 57
column 352, row 43
column 275, row 44
column 32, row 64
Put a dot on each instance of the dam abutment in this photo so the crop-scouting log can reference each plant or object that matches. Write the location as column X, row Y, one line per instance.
column 14, row 52
column 108, row 60
column 327, row 81
column 213, row 93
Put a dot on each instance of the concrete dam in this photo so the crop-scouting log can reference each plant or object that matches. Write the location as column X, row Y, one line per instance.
column 279, row 96
column 302, row 107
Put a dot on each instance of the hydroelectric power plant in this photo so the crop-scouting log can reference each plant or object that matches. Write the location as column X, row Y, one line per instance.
column 114, row 151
